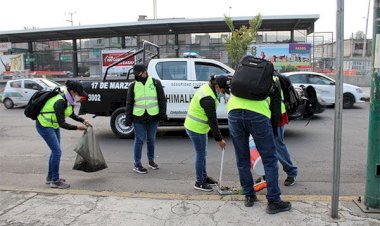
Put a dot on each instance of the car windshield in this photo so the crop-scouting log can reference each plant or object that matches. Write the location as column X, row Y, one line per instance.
column 50, row 83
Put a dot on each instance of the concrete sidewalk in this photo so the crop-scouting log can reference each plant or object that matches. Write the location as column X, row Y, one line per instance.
column 79, row 207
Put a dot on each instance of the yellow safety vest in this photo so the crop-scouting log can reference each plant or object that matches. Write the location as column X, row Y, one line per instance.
column 259, row 106
column 196, row 118
column 283, row 108
column 145, row 98
column 50, row 119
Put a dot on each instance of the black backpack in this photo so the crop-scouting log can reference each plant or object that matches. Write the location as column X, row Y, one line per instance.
column 275, row 104
column 38, row 101
column 310, row 102
column 253, row 78
column 291, row 96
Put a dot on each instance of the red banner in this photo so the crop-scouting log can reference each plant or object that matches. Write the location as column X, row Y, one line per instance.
column 110, row 58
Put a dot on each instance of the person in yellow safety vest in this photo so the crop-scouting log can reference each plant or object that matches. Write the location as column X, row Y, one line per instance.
column 146, row 107
column 282, row 151
column 201, row 117
column 253, row 117
column 51, row 118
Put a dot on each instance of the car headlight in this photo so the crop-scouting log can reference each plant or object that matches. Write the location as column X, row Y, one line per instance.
column 359, row 90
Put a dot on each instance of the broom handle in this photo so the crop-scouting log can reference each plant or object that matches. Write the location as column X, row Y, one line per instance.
column 221, row 170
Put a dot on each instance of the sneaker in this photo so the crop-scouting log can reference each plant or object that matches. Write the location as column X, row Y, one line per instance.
column 140, row 169
column 249, row 200
column 211, row 181
column 282, row 206
column 202, row 186
column 153, row 165
column 290, row 181
column 59, row 184
column 49, row 180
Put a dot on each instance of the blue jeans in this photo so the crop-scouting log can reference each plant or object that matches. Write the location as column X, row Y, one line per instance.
column 200, row 145
column 243, row 123
column 142, row 130
column 52, row 138
column 283, row 153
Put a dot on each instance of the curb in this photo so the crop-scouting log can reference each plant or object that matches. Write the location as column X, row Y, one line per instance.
column 172, row 196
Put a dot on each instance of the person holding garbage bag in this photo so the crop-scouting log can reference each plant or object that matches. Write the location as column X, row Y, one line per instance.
column 201, row 117
column 51, row 119
column 146, row 107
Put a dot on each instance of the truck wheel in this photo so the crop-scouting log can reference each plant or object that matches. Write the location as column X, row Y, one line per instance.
column 8, row 103
column 117, row 124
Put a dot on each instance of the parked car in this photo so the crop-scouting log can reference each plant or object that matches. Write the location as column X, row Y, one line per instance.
column 325, row 87
column 18, row 92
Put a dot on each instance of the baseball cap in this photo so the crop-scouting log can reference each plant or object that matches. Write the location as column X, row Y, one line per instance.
column 76, row 87
column 138, row 68
column 223, row 81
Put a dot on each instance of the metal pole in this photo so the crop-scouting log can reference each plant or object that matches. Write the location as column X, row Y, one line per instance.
column 372, row 186
column 154, row 9
column 338, row 108
column 31, row 55
column 332, row 49
column 75, row 58
column 365, row 34
column 313, row 51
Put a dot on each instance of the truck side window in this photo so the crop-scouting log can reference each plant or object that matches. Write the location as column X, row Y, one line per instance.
column 176, row 70
column 204, row 70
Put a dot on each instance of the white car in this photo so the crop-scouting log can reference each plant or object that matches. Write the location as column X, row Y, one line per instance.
column 325, row 87
column 18, row 92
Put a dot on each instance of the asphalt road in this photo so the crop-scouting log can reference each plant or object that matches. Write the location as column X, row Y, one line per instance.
column 24, row 156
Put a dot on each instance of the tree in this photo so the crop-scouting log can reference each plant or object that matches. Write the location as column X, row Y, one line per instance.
column 359, row 35
column 237, row 43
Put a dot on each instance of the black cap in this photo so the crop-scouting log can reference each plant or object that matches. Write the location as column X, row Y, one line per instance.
column 138, row 68
column 76, row 87
column 223, row 81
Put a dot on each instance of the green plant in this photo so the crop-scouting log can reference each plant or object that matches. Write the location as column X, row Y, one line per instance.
column 237, row 43
column 287, row 68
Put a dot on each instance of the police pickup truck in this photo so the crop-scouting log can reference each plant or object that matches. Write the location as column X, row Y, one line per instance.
column 180, row 78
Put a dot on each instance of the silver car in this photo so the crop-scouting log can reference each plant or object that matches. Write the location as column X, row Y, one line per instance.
column 19, row 91
column 325, row 87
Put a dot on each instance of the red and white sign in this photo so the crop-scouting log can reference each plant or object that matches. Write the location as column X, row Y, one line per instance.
column 5, row 46
column 111, row 56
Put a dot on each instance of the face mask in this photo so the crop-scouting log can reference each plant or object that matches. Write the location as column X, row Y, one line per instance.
column 71, row 100
column 141, row 79
column 220, row 95
column 77, row 99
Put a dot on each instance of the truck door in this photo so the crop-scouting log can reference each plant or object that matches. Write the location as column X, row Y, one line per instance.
column 203, row 71
column 177, row 87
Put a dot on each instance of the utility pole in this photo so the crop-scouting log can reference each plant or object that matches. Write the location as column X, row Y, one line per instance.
column 154, row 9
column 71, row 17
column 372, row 186
column 366, row 30
column 338, row 108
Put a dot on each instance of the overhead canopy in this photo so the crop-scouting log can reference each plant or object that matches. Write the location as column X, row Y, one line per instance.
column 158, row 27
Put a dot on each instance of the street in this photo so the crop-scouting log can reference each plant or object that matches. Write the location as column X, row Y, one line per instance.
column 24, row 156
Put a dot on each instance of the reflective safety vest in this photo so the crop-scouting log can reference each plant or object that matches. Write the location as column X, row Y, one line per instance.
column 196, row 118
column 259, row 106
column 283, row 107
column 145, row 98
column 50, row 119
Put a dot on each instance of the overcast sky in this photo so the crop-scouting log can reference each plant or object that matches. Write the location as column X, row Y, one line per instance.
column 15, row 15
